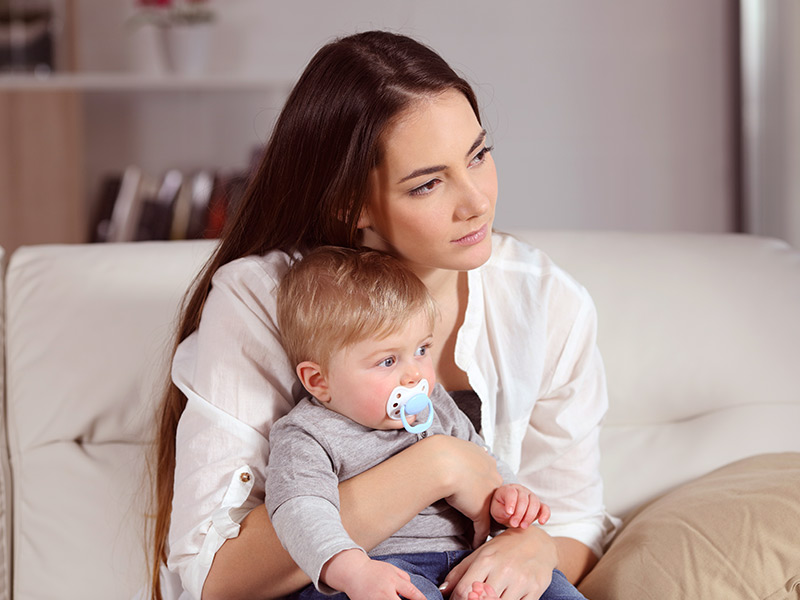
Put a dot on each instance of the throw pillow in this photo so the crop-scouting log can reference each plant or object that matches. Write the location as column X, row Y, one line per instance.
column 733, row 533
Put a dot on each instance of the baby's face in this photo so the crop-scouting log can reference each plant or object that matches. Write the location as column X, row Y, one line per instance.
column 362, row 376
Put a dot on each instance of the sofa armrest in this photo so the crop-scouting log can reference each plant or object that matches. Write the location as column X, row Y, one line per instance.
column 89, row 333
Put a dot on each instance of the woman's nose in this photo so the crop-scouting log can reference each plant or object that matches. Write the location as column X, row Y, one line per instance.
column 472, row 203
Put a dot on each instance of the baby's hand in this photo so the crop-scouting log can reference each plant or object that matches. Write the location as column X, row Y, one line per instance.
column 514, row 505
column 482, row 591
column 362, row 578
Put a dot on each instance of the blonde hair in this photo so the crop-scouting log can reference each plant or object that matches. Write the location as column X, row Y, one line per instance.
column 335, row 297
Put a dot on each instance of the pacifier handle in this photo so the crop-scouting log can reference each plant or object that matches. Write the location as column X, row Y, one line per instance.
column 415, row 405
column 410, row 401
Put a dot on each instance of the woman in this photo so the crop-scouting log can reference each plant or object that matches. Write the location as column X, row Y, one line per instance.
column 380, row 144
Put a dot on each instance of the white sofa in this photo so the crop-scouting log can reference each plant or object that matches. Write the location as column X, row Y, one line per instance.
column 700, row 336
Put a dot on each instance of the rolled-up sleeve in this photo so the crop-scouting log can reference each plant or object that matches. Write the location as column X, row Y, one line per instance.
column 237, row 382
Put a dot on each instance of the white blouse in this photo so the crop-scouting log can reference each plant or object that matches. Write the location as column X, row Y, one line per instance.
column 528, row 346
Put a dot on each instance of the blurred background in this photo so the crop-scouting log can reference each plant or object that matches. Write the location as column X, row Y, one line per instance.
column 131, row 120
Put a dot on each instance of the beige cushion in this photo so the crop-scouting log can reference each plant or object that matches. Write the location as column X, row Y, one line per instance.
column 730, row 534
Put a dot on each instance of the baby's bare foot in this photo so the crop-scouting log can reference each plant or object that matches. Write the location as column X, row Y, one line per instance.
column 482, row 591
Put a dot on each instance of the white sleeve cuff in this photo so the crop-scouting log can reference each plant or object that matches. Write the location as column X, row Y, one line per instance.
column 594, row 532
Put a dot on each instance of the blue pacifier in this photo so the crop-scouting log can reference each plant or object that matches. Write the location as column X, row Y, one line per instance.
column 410, row 401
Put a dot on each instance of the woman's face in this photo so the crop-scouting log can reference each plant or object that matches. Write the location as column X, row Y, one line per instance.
column 433, row 195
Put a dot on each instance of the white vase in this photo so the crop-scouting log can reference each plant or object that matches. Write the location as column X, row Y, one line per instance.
column 186, row 48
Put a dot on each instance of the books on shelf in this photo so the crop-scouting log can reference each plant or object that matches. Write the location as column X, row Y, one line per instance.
column 125, row 213
column 135, row 206
column 155, row 215
column 201, row 189
column 104, row 208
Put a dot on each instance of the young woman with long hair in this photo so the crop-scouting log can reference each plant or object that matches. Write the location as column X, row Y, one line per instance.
column 380, row 144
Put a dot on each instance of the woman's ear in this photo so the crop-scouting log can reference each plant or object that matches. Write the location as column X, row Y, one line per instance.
column 363, row 219
column 310, row 374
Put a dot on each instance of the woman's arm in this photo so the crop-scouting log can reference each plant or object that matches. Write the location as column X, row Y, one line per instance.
column 575, row 559
column 254, row 564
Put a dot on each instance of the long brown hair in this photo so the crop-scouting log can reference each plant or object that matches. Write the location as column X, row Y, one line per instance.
column 308, row 190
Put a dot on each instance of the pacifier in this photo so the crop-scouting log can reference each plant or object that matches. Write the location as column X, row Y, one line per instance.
column 410, row 401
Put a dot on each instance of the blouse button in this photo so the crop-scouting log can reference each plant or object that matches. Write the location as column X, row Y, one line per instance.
column 245, row 477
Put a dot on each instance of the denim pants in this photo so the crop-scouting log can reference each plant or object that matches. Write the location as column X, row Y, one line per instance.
column 428, row 570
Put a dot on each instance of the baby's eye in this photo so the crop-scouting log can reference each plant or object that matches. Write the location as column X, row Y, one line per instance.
column 422, row 351
column 387, row 362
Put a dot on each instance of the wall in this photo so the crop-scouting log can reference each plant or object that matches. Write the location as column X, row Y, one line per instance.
column 617, row 115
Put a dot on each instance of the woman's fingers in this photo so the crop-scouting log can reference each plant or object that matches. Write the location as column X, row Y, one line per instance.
column 453, row 578
column 517, row 564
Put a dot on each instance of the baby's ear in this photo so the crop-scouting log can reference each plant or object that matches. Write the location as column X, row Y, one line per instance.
column 310, row 374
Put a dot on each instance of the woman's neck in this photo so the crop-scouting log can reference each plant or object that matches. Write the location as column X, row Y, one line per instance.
column 441, row 283
column 451, row 295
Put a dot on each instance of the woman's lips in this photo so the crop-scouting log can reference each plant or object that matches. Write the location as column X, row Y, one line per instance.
column 472, row 238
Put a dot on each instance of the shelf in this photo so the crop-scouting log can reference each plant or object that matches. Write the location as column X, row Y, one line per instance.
column 76, row 128
column 122, row 82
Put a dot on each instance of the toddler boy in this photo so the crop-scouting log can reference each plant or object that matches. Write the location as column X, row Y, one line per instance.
column 358, row 325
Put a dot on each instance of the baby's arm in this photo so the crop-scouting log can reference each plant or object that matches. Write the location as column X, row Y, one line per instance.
column 514, row 505
column 302, row 501
column 311, row 531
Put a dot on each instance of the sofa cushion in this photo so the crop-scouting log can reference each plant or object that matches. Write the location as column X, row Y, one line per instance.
column 89, row 330
column 729, row 534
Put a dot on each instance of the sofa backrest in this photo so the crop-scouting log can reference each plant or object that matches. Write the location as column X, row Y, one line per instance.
column 700, row 336
column 89, row 329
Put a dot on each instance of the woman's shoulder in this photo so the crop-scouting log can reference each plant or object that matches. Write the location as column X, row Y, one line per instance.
column 246, row 288
column 254, row 271
column 513, row 257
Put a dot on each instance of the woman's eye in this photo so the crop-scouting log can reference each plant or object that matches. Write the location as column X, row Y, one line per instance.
column 425, row 188
column 387, row 362
column 481, row 156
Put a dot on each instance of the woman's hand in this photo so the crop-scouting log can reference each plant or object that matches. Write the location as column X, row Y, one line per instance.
column 517, row 564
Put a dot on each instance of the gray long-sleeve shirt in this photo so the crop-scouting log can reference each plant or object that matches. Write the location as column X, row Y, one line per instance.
column 313, row 448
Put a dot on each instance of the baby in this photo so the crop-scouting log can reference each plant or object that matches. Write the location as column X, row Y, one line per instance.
column 358, row 325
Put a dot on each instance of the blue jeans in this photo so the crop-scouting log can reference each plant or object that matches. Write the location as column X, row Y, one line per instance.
column 428, row 570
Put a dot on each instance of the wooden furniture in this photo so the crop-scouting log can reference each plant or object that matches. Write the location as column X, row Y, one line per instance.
column 42, row 193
